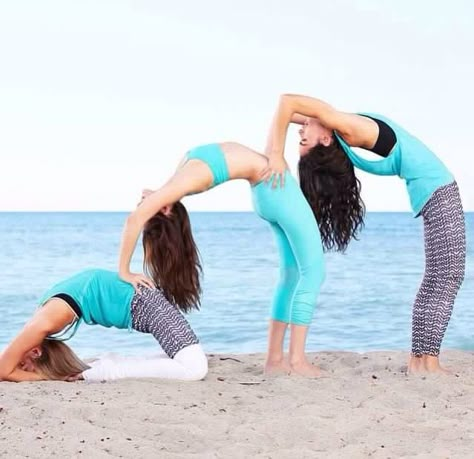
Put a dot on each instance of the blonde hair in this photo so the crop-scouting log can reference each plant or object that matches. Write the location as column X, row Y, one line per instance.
column 58, row 361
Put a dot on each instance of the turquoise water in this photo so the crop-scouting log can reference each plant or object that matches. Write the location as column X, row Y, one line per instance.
column 365, row 302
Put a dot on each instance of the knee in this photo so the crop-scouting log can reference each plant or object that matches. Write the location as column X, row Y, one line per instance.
column 314, row 275
column 200, row 369
column 306, row 293
column 194, row 360
column 450, row 276
column 289, row 275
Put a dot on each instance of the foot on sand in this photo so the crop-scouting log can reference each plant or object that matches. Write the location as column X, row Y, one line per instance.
column 416, row 365
column 279, row 367
column 306, row 369
column 432, row 365
column 426, row 364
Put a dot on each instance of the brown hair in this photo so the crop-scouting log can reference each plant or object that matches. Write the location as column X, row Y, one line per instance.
column 332, row 189
column 172, row 258
column 58, row 361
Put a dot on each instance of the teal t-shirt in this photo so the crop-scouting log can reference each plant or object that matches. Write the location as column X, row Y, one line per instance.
column 411, row 160
column 103, row 297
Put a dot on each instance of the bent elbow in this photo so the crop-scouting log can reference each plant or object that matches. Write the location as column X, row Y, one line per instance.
column 287, row 99
column 288, row 96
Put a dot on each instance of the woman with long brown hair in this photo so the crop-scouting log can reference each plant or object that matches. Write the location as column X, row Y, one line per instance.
column 326, row 169
column 100, row 297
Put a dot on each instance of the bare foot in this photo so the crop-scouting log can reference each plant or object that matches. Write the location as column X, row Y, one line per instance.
column 431, row 364
column 306, row 369
column 416, row 365
column 278, row 367
column 426, row 364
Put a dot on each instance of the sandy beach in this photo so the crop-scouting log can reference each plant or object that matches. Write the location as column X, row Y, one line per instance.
column 367, row 407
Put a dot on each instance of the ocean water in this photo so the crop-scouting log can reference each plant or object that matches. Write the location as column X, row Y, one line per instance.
column 365, row 302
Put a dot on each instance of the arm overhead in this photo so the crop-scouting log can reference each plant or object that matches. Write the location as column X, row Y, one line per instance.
column 135, row 222
column 49, row 319
column 191, row 178
column 32, row 335
column 355, row 129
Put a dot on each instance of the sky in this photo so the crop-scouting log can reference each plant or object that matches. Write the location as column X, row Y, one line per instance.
column 99, row 99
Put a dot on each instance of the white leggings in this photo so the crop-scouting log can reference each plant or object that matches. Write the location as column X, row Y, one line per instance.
column 189, row 364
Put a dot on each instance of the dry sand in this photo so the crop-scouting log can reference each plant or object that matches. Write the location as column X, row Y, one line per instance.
column 367, row 407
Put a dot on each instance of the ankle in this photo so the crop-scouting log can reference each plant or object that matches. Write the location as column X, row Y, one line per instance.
column 431, row 361
column 275, row 358
column 297, row 360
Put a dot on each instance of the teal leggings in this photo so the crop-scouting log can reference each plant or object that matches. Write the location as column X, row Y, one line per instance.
column 299, row 245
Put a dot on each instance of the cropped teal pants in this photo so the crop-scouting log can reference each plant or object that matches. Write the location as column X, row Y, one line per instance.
column 299, row 246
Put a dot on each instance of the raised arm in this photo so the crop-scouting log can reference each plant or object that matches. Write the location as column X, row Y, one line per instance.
column 291, row 105
column 277, row 164
column 192, row 177
column 296, row 118
column 355, row 129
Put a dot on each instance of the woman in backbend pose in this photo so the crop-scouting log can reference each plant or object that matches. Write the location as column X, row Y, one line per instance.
column 328, row 181
column 100, row 297
column 291, row 219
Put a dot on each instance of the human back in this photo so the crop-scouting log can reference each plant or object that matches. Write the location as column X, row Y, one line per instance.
column 410, row 159
column 103, row 298
column 239, row 161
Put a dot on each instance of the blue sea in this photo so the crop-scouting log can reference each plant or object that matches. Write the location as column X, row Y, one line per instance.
column 365, row 303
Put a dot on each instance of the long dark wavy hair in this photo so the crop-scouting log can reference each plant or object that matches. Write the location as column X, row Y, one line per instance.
column 330, row 186
column 172, row 258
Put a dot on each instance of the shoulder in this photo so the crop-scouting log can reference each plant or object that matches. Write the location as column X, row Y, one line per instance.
column 52, row 316
column 357, row 130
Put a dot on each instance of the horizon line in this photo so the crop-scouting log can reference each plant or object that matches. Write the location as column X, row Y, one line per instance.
column 190, row 211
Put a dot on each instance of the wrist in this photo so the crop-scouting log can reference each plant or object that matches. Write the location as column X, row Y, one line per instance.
column 124, row 272
column 275, row 154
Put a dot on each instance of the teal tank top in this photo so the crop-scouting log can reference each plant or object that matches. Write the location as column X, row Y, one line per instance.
column 213, row 156
column 411, row 160
column 103, row 297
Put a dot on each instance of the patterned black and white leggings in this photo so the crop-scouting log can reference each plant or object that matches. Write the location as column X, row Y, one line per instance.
column 153, row 313
column 445, row 255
